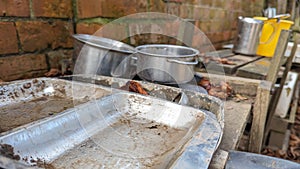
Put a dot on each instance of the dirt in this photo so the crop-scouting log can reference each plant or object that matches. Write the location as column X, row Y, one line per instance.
column 26, row 112
column 222, row 90
column 146, row 144
column 293, row 151
column 133, row 86
column 8, row 151
column 42, row 164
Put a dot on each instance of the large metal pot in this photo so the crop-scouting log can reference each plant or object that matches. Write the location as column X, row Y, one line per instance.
column 104, row 56
column 168, row 64
column 247, row 40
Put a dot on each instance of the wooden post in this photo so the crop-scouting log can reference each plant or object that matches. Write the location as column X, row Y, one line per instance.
column 263, row 96
column 260, row 110
column 277, row 58
column 278, row 92
column 219, row 159
column 293, row 10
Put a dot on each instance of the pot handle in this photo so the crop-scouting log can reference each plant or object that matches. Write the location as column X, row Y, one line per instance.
column 182, row 62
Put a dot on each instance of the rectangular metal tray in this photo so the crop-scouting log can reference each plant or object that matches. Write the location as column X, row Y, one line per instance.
column 22, row 102
column 195, row 99
column 123, row 130
column 67, row 134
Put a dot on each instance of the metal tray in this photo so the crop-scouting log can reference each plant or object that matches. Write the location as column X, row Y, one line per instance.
column 195, row 99
column 65, row 134
column 25, row 101
column 123, row 130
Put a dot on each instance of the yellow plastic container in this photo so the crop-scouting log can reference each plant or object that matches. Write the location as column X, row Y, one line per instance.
column 270, row 35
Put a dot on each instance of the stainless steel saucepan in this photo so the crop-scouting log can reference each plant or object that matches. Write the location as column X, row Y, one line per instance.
column 168, row 64
column 104, row 56
column 162, row 63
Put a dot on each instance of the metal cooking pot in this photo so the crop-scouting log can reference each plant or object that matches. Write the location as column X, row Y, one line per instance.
column 247, row 40
column 104, row 56
column 167, row 64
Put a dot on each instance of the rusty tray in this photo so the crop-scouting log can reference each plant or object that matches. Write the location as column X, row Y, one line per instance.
column 122, row 129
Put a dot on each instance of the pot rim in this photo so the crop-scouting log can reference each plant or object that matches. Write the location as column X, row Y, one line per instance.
column 138, row 50
column 101, row 42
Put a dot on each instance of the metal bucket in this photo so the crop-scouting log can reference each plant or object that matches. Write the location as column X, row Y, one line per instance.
column 247, row 40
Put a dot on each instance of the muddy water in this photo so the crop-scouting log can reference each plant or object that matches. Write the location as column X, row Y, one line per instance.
column 17, row 114
column 126, row 144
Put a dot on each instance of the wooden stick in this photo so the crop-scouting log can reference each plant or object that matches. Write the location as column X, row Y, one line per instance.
column 282, row 82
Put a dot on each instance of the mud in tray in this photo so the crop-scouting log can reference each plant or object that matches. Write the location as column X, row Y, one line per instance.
column 123, row 130
column 22, row 102
column 195, row 99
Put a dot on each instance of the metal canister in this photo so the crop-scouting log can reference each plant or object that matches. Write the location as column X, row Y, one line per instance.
column 247, row 40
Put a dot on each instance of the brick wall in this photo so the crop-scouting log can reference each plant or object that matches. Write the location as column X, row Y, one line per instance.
column 36, row 34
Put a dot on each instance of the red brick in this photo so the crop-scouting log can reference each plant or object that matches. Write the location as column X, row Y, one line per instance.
column 165, row 26
column 213, row 13
column 52, row 8
column 227, row 24
column 198, row 13
column 233, row 34
column 38, row 35
column 171, row 28
column 89, row 8
column 234, row 23
column 214, row 26
column 87, row 28
column 226, row 35
column 159, row 32
column 199, row 40
column 206, row 48
column 14, row 8
column 63, row 32
column 238, row 5
column 24, row 66
column 215, row 37
column 122, row 8
column 204, row 26
column 55, row 57
column 219, row 3
column 8, row 40
column 206, row 2
column 109, row 8
column 229, row 5
column 177, row 1
column 117, row 31
column 141, row 39
column 221, row 15
column 186, row 11
column 201, row 13
column 156, row 6
column 218, row 46
column 172, row 9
